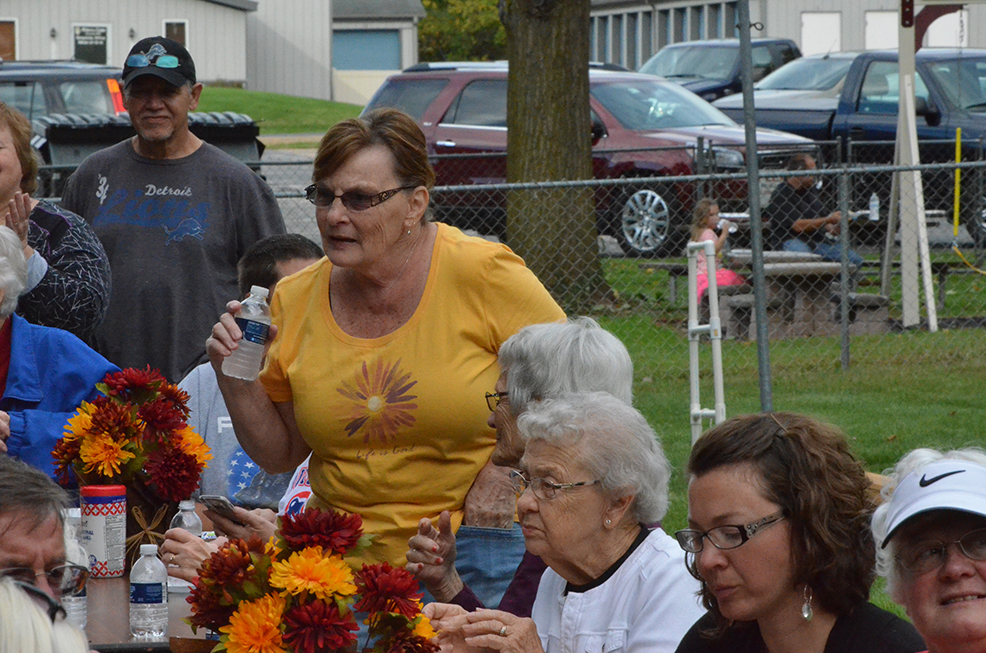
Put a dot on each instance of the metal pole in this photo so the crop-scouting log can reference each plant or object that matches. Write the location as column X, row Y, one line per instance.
column 844, row 280
column 756, row 223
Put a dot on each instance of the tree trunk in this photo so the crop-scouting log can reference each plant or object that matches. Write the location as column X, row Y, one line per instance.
column 549, row 129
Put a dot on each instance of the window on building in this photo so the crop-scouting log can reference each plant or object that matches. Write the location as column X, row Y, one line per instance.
column 177, row 30
column 369, row 49
column 821, row 32
column 949, row 31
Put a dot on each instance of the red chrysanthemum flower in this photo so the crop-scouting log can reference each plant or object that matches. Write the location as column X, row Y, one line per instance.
column 66, row 453
column 118, row 421
column 177, row 397
column 385, row 589
column 161, row 418
column 406, row 641
column 318, row 626
column 174, row 473
column 132, row 383
column 209, row 610
column 331, row 530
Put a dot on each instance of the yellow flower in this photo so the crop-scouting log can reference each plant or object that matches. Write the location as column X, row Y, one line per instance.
column 255, row 627
column 193, row 444
column 100, row 453
column 79, row 423
column 423, row 628
column 309, row 571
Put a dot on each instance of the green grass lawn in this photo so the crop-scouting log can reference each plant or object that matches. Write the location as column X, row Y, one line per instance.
column 278, row 114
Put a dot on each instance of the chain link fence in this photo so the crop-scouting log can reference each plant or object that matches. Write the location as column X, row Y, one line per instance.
column 843, row 295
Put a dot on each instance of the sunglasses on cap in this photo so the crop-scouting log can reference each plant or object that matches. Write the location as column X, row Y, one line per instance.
column 163, row 61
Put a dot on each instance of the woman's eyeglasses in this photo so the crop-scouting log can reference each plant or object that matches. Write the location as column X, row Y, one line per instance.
column 543, row 488
column 493, row 399
column 353, row 200
column 724, row 537
column 927, row 556
column 65, row 580
column 141, row 61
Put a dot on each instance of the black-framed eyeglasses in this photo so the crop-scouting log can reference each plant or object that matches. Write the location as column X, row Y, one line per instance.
column 493, row 399
column 930, row 555
column 48, row 604
column 543, row 488
column 724, row 537
column 141, row 61
column 353, row 200
column 64, row 580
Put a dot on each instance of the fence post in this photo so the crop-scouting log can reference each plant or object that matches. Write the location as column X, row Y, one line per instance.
column 753, row 193
column 844, row 260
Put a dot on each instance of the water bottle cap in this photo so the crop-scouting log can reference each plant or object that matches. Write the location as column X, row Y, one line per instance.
column 187, row 504
column 259, row 291
column 148, row 549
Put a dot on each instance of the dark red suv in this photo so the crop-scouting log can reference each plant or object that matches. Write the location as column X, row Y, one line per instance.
column 642, row 127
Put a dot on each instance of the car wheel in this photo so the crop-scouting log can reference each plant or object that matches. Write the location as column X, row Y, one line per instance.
column 645, row 224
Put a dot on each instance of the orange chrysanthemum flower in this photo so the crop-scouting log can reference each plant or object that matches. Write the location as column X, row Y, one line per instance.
column 104, row 455
column 193, row 444
column 80, row 423
column 255, row 627
column 310, row 571
column 423, row 628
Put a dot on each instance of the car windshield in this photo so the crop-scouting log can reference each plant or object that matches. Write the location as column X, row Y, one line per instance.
column 963, row 81
column 713, row 62
column 807, row 74
column 646, row 105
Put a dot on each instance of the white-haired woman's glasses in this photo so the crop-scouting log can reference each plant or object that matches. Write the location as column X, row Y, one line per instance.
column 928, row 555
column 543, row 488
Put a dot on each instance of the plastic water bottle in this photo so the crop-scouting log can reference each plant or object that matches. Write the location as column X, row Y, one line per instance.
column 187, row 519
column 874, row 207
column 148, row 594
column 254, row 321
column 75, row 606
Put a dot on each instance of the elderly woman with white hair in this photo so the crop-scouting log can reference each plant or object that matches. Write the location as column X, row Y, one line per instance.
column 592, row 477
column 930, row 535
column 538, row 362
column 45, row 373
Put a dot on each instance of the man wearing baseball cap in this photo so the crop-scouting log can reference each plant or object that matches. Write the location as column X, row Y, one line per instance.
column 174, row 214
column 931, row 546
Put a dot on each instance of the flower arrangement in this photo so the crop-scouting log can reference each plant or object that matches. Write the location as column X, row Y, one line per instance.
column 135, row 432
column 298, row 593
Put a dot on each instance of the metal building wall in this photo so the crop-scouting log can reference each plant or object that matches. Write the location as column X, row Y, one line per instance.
column 291, row 48
column 216, row 34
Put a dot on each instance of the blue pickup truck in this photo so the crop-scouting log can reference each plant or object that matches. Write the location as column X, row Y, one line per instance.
column 854, row 95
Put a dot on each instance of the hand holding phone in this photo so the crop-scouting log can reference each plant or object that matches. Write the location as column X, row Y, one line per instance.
column 220, row 505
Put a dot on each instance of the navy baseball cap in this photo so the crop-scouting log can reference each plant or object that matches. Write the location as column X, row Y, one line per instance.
column 160, row 57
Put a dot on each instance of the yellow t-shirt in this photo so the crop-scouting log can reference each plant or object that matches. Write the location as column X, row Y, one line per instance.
column 397, row 425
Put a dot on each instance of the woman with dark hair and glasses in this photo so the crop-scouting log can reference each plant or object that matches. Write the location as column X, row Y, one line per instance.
column 779, row 510
column 591, row 478
column 382, row 351
column 31, row 621
column 931, row 545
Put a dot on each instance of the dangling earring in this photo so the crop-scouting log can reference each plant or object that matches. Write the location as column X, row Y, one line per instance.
column 408, row 232
column 609, row 521
column 806, row 610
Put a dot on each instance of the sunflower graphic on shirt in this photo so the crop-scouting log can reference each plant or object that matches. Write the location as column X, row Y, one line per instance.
column 382, row 404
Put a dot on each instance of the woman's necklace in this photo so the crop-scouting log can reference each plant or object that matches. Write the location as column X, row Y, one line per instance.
column 400, row 272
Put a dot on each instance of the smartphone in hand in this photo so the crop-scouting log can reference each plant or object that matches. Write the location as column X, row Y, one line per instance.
column 220, row 505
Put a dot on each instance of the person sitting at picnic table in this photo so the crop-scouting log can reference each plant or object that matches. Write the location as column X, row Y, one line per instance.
column 380, row 351
column 592, row 476
column 705, row 219
column 778, row 514
column 931, row 545
column 538, row 362
column 795, row 219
